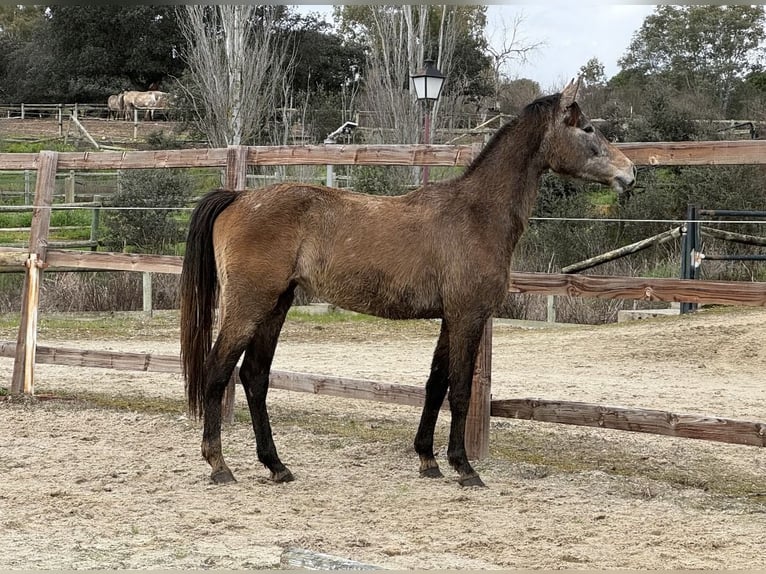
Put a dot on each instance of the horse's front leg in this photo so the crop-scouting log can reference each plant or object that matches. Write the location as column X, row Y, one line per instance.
column 464, row 346
column 436, row 390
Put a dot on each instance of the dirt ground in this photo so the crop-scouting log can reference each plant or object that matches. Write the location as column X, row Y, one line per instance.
column 89, row 487
column 103, row 131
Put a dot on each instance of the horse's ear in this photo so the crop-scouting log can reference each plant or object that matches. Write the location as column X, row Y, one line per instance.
column 569, row 94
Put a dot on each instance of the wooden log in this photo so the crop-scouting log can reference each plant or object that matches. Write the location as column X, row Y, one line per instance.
column 564, row 412
column 443, row 155
column 105, row 261
column 658, row 239
column 14, row 259
column 293, row 558
column 739, row 152
column 659, row 153
column 23, row 367
column 100, row 359
column 399, row 394
column 80, row 127
column 735, row 237
column 641, row 288
column 634, row 419
column 236, row 167
column 32, row 297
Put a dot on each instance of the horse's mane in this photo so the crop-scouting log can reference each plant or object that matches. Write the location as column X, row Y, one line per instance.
column 535, row 114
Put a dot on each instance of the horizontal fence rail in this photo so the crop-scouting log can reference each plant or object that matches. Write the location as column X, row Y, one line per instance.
column 602, row 286
column 651, row 421
column 646, row 154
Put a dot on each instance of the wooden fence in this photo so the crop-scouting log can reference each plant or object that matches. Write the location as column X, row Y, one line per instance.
column 235, row 161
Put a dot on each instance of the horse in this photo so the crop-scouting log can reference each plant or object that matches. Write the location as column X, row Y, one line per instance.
column 115, row 106
column 442, row 251
column 149, row 101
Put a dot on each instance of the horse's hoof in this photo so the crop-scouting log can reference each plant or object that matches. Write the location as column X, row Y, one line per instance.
column 473, row 480
column 282, row 476
column 432, row 472
column 223, row 476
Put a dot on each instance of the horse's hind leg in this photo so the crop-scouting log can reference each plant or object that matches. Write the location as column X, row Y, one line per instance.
column 436, row 389
column 254, row 375
column 219, row 366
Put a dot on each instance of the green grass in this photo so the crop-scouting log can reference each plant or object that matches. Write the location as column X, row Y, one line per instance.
column 331, row 317
column 602, row 196
column 117, row 325
column 35, row 147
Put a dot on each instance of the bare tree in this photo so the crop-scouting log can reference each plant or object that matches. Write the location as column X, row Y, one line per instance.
column 397, row 37
column 509, row 48
column 236, row 66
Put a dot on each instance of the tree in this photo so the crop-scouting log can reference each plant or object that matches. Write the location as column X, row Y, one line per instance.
column 702, row 49
column 85, row 53
column 593, row 72
column 25, row 58
column 511, row 47
column 100, row 50
column 237, row 67
column 398, row 39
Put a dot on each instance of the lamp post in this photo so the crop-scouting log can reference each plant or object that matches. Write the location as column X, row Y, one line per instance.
column 428, row 85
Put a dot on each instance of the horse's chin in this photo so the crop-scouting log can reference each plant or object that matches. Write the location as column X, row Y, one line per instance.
column 621, row 185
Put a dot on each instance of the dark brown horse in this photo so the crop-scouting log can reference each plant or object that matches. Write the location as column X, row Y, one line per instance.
column 441, row 251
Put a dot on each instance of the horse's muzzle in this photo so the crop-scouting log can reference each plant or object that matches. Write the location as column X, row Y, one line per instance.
column 624, row 181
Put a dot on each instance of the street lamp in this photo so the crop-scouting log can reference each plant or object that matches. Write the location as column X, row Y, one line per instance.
column 428, row 85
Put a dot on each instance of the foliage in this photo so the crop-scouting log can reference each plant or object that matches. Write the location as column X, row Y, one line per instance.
column 85, row 53
column 324, row 61
column 145, row 211
column 377, row 180
column 703, row 49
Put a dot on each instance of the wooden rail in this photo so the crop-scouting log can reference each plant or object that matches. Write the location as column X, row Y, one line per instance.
column 564, row 412
column 650, row 154
column 602, row 286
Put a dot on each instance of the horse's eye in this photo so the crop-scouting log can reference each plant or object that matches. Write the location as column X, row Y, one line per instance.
column 588, row 129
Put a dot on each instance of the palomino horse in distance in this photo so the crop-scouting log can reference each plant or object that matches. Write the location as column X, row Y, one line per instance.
column 441, row 251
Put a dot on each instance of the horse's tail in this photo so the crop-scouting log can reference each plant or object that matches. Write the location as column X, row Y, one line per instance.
column 199, row 292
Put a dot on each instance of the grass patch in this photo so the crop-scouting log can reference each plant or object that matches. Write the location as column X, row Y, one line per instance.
column 119, row 325
column 130, row 403
column 330, row 317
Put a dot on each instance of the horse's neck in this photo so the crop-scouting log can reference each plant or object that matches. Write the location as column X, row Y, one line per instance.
column 508, row 177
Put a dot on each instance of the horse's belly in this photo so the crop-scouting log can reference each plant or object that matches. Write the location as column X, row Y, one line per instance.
column 380, row 298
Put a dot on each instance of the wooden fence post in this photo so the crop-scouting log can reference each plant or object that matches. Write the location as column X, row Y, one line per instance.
column 95, row 222
column 69, row 193
column 23, row 366
column 477, row 422
column 27, row 186
column 236, row 178
column 146, row 292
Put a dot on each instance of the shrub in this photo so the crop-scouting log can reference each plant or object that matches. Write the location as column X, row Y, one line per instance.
column 146, row 215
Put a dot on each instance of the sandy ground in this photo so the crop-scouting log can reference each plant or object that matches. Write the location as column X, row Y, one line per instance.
column 87, row 487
